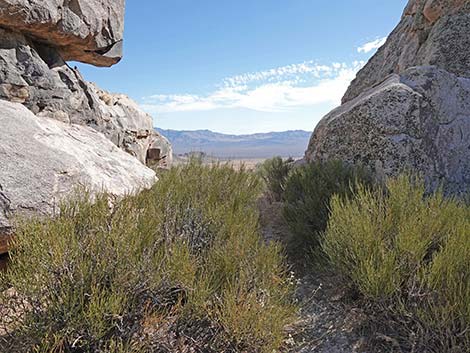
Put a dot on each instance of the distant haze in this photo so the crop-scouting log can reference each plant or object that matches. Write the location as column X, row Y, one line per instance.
column 262, row 145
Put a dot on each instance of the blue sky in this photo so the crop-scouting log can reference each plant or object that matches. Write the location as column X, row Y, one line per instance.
column 244, row 66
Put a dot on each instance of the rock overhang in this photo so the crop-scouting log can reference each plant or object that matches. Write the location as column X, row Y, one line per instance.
column 89, row 31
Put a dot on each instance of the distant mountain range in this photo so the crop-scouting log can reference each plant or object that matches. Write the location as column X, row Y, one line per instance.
column 262, row 145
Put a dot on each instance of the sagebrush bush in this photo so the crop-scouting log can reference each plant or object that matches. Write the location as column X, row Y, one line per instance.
column 275, row 172
column 409, row 251
column 307, row 195
column 184, row 259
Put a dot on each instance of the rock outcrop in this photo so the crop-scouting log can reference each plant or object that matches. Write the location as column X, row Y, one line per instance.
column 89, row 31
column 59, row 131
column 160, row 152
column 43, row 160
column 35, row 75
column 409, row 107
column 130, row 128
column 430, row 33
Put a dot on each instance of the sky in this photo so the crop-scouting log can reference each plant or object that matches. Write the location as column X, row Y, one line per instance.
column 244, row 66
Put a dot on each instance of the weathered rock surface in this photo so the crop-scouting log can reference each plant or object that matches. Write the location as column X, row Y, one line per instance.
column 90, row 31
column 160, row 152
column 409, row 107
column 419, row 120
column 431, row 32
column 130, row 128
column 44, row 160
column 35, row 75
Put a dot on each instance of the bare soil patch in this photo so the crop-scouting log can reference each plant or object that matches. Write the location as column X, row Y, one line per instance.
column 332, row 318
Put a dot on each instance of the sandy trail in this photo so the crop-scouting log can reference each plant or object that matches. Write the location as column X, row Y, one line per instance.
column 331, row 317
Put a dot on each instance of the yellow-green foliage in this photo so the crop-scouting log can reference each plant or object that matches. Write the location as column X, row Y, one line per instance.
column 189, row 249
column 307, row 195
column 275, row 172
column 409, row 249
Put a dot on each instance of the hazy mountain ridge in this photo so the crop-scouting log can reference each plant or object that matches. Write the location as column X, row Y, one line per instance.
column 260, row 145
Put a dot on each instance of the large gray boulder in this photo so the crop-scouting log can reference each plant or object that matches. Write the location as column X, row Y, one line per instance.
column 89, row 31
column 409, row 107
column 417, row 121
column 44, row 160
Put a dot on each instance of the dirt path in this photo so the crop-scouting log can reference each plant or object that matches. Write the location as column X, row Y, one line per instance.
column 331, row 320
column 328, row 324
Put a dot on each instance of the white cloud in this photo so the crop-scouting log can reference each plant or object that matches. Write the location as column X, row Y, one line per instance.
column 275, row 90
column 294, row 70
column 370, row 46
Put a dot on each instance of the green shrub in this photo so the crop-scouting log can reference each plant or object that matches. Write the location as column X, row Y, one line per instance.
column 184, row 259
column 275, row 172
column 307, row 195
column 410, row 251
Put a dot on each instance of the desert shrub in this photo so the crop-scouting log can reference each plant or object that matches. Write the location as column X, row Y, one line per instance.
column 183, row 259
column 275, row 172
column 307, row 195
column 410, row 252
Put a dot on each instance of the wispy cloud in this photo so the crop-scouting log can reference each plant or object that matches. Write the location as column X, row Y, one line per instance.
column 275, row 90
column 375, row 44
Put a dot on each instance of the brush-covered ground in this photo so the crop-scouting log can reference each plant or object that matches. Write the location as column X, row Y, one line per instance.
column 216, row 258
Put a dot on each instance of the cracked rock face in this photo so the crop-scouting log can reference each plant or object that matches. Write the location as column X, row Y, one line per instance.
column 409, row 107
column 36, row 76
column 44, row 160
column 90, row 31
column 431, row 32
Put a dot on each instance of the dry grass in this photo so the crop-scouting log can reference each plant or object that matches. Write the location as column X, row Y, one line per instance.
column 180, row 267
column 307, row 196
column 409, row 254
